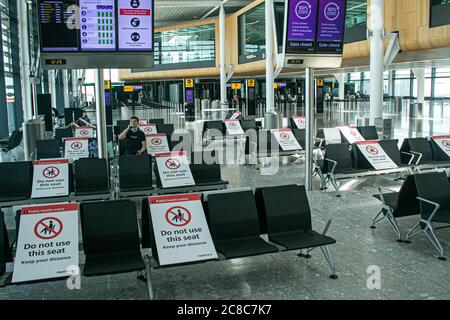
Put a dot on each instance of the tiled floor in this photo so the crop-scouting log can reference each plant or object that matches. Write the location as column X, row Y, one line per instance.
column 407, row 271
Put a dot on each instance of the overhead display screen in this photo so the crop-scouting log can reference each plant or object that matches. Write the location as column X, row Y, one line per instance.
column 315, row 26
column 54, row 16
column 96, row 26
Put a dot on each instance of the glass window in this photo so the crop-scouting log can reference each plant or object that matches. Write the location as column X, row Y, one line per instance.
column 252, row 26
column 356, row 13
column 186, row 45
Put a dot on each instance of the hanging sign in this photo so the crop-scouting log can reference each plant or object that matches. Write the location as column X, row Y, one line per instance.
column 180, row 228
column 148, row 128
column 157, row 143
column 174, row 170
column 351, row 134
column 286, row 139
column 233, row 127
column 47, row 244
column 443, row 142
column 300, row 122
column 84, row 132
column 50, row 178
column 376, row 156
column 76, row 148
column 301, row 27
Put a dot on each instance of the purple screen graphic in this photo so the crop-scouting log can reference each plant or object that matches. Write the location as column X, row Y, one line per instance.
column 189, row 96
column 330, row 33
column 302, row 26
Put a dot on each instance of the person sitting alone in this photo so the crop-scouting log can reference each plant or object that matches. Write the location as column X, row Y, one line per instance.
column 134, row 138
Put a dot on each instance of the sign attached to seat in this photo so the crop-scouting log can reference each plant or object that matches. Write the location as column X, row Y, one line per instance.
column 351, row 134
column 443, row 142
column 286, row 139
column 174, row 170
column 143, row 121
column 180, row 228
column 300, row 122
column 332, row 135
column 376, row 156
column 76, row 148
column 157, row 143
column 233, row 127
column 148, row 128
column 235, row 115
column 50, row 178
column 84, row 132
column 47, row 245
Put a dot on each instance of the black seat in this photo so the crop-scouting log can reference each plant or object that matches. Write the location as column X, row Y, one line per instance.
column 392, row 150
column 91, row 177
column 61, row 133
column 14, row 140
column 48, row 149
column 180, row 142
column 215, row 126
column 156, row 121
column 235, row 230
column 16, row 180
column 369, row 132
column 300, row 135
column 420, row 148
column 110, row 238
column 135, row 173
column 207, row 175
column 433, row 191
column 248, row 125
column 439, row 154
column 5, row 252
column 168, row 129
column 398, row 205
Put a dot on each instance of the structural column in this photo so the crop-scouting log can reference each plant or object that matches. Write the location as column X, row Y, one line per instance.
column 66, row 89
column 25, row 60
column 223, row 65
column 310, row 115
column 376, row 30
column 270, row 96
column 75, row 92
column 340, row 77
column 391, row 83
column 101, row 114
column 420, row 75
column 52, row 86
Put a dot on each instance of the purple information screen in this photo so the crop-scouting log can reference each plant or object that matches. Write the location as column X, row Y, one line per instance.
column 331, row 24
column 302, row 26
column 189, row 98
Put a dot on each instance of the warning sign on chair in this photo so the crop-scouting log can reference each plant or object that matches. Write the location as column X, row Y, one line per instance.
column 47, row 245
column 148, row 128
column 332, row 135
column 50, row 178
column 351, row 134
column 76, row 148
column 157, row 143
column 180, row 228
column 235, row 115
column 84, row 132
column 443, row 142
column 376, row 156
column 286, row 139
column 143, row 122
column 300, row 122
column 233, row 127
column 174, row 170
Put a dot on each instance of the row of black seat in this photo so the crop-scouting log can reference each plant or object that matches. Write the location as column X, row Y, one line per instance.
column 54, row 149
column 425, row 195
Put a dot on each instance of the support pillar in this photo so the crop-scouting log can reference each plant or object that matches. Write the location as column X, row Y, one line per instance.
column 223, row 65
column 310, row 120
column 270, row 96
column 101, row 114
column 420, row 75
column 66, row 89
column 27, row 103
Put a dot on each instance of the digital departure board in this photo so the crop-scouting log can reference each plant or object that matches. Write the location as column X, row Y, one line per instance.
column 302, row 26
column 331, row 24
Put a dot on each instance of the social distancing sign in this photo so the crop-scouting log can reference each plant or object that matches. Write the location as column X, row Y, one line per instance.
column 332, row 135
column 76, row 148
column 149, row 128
column 234, row 127
column 47, row 245
column 84, row 132
column 157, row 143
column 50, row 178
column 300, row 122
column 286, row 139
column 351, row 134
column 180, row 228
column 235, row 115
column 443, row 142
column 376, row 156
column 143, row 121
column 174, row 169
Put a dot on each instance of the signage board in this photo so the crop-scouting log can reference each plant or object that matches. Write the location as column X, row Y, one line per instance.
column 50, row 178
column 286, row 139
column 351, row 134
column 234, row 127
column 157, row 143
column 301, row 26
column 174, row 169
column 443, row 142
column 76, row 148
column 375, row 154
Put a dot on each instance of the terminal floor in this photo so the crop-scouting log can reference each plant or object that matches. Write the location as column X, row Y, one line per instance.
column 408, row 271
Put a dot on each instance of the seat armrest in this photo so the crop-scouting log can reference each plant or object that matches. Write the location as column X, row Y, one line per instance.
column 418, row 154
column 334, row 164
column 435, row 204
column 409, row 154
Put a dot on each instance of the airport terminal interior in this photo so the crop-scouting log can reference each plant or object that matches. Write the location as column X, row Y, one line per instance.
column 225, row 150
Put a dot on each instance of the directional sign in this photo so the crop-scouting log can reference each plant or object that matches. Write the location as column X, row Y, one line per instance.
column 180, row 228
column 50, row 178
column 174, row 169
column 286, row 139
column 47, row 245
column 76, row 148
column 375, row 154
column 157, row 143
column 189, row 83
column 251, row 83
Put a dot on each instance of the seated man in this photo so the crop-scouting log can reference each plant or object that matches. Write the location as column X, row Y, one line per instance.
column 134, row 138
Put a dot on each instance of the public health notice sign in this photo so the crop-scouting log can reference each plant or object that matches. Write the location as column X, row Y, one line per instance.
column 235, row 115
column 351, row 134
column 143, row 121
column 286, row 139
column 376, row 156
column 443, row 142
column 174, row 170
column 148, row 128
column 332, row 135
column 76, row 148
column 233, row 127
column 84, row 132
column 50, row 178
column 47, row 245
column 300, row 122
column 180, row 228
column 157, row 143
column 135, row 25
